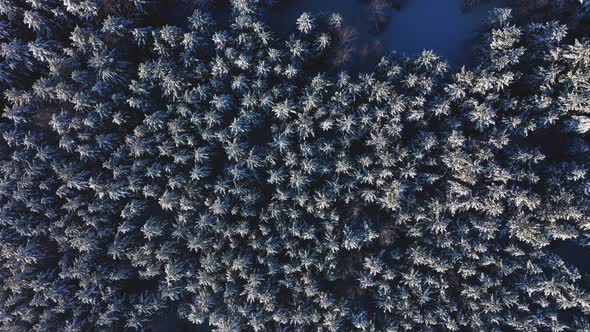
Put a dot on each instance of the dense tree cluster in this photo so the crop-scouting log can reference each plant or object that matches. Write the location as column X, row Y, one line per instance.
column 215, row 169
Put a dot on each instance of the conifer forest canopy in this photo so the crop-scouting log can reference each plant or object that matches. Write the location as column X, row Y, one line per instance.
column 187, row 165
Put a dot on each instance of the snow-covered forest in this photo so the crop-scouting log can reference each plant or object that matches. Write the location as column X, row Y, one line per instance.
column 265, row 165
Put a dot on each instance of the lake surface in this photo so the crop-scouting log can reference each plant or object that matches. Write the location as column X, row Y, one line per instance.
column 438, row 25
column 574, row 254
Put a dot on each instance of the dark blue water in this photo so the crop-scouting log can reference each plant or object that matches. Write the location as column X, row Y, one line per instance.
column 438, row 25
column 573, row 254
